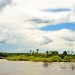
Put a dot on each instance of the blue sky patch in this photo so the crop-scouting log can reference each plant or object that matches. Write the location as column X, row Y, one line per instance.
column 70, row 26
column 57, row 10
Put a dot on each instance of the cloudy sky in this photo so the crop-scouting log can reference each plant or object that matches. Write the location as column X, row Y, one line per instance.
column 32, row 24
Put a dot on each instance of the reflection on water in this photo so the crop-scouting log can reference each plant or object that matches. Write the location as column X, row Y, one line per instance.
column 36, row 68
column 72, row 67
column 64, row 66
column 45, row 64
column 68, row 66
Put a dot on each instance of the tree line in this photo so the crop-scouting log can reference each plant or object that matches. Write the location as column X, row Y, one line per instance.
column 48, row 56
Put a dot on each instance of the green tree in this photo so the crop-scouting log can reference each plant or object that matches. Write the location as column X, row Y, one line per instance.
column 54, row 52
column 30, row 51
column 64, row 52
column 72, row 53
column 55, row 58
column 68, row 52
column 47, row 53
column 36, row 53
column 67, row 58
column 37, row 50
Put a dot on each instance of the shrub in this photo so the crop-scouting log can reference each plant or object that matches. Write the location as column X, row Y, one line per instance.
column 55, row 59
column 45, row 60
column 67, row 59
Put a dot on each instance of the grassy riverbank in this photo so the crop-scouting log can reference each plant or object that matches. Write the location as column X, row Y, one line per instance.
column 49, row 56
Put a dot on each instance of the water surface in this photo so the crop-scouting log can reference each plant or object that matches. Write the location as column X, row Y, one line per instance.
column 36, row 68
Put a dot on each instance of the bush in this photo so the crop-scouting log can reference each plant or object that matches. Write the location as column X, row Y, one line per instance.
column 67, row 58
column 45, row 60
column 36, row 59
column 55, row 59
column 18, row 58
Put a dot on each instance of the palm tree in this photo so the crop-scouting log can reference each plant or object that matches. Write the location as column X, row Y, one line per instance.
column 68, row 52
column 30, row 51
column 47, row 53
column 65, row 53
column 54, row 52
column 37, row 50
column 72, row 53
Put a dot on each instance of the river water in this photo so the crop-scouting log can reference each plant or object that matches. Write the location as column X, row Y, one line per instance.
column 36, row 68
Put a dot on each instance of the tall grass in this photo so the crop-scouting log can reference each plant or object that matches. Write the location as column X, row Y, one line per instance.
column 38, row 57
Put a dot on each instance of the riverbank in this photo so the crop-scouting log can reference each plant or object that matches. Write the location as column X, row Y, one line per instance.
column 38, row 57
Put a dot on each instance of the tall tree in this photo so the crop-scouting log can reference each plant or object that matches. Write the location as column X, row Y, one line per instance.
column 47, row 53
column 37, row 50
column 68, row 52
column 54, row 52
column 64, row 52
column 72, row 53
column 30, row 51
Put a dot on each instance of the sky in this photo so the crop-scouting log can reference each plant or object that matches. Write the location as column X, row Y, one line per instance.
column 70, row 26
column 30, row 24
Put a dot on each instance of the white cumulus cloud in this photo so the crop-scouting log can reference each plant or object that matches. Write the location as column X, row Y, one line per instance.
column 5, row 36
column 23, row 18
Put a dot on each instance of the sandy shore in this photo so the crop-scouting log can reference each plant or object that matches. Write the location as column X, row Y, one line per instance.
column 17, row 62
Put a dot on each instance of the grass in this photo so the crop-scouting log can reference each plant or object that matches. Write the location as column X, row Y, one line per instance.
column 38, row 57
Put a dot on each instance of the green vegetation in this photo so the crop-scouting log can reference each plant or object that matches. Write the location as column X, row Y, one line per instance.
column 49, row 56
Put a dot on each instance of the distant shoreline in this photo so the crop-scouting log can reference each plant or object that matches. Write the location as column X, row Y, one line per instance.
column 52, row 56
column 4, row 60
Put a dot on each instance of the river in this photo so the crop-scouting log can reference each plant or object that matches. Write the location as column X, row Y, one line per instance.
column 36, row 68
